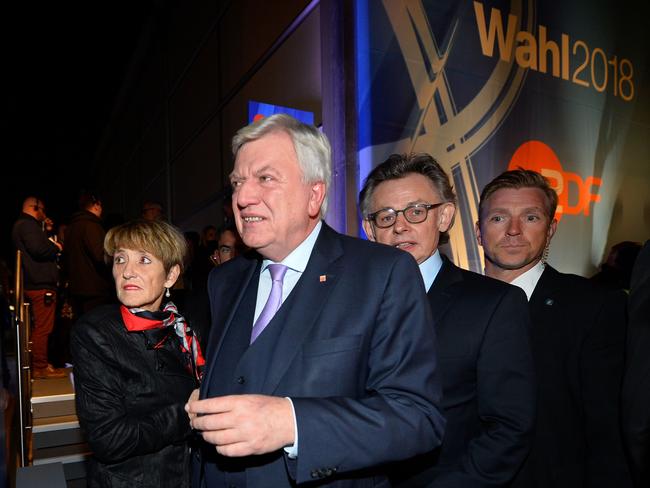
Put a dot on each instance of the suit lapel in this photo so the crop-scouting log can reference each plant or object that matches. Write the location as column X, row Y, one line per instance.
column 308, row 298
column 544, row 292
column 544, row 311
column 441, row 294
column 238, row 283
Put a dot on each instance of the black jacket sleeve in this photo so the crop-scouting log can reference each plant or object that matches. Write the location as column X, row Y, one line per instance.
column 36, row 243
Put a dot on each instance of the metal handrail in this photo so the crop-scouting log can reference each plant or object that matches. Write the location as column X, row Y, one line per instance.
column 18, row 286
column 23, row 380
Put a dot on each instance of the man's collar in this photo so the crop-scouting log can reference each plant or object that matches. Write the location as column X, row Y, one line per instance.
column 25, row 214
column 430, row 268
column 528, row 280
column 298, row 258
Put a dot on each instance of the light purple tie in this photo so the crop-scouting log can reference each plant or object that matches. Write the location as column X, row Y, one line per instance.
column 274, row 301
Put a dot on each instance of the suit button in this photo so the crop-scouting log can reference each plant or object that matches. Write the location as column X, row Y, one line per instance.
column 241, row 380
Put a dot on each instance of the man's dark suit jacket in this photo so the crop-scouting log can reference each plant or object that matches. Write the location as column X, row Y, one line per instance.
column 352, row 346
column 489, row 389
column 578, row 343
column 635, row 407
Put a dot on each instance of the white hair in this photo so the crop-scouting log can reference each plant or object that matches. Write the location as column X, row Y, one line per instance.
column 311, row 145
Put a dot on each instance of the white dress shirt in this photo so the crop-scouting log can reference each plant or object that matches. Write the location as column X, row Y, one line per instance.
column 430, row 268
column 528, row 280
column 296, row 262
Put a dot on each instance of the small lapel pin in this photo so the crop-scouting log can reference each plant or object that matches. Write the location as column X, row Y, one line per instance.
column 549, row 302
column 322, row 278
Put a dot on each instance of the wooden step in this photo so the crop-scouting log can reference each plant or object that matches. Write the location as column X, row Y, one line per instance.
column 71, row 453
column 51, row 475
column 53, row 397
column 75, row 473
column 56, row 431
column 57, row 438
column 73, row 457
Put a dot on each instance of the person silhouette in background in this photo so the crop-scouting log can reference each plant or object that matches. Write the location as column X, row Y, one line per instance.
column 229, row 246
column 615, row 273
column 41, row 275
column 152, row 210
column 89, row 276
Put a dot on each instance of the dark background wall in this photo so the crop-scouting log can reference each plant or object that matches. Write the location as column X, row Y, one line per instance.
column 196, row 66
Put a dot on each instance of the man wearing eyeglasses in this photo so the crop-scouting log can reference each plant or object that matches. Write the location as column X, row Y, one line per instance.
column 40, row 275
column 228, row 246
column 482, row 327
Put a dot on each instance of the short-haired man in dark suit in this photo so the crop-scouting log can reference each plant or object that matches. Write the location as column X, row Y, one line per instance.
column 343, row 378
column 482, row 327
column 578, row 339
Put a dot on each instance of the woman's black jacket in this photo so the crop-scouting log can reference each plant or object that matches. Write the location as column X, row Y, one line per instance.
column 130, row 398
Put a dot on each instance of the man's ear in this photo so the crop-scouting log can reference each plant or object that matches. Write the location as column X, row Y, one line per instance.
column 367, row 228
column 316, row 198
column 446, row 216
column 477, row 230
column 551, row 231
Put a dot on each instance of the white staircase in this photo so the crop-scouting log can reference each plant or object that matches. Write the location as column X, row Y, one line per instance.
column 49, row 443
column 56, row 436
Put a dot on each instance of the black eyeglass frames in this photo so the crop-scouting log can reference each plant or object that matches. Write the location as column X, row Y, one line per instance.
column 414, row 214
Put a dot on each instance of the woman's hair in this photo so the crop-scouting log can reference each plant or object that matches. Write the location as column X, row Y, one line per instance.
column 157, row 237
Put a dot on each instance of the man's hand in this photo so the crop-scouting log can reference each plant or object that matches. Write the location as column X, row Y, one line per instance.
column 194, row 396
column 243, row 425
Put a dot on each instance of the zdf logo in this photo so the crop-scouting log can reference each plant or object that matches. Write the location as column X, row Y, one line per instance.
column 574, row 194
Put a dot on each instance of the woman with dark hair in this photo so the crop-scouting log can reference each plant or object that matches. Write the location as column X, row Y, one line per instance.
column 136, row 364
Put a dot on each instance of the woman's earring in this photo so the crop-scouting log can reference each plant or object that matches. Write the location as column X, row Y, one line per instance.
column 167, row 294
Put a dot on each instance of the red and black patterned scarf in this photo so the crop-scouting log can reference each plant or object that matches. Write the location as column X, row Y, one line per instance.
column 137, row 319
